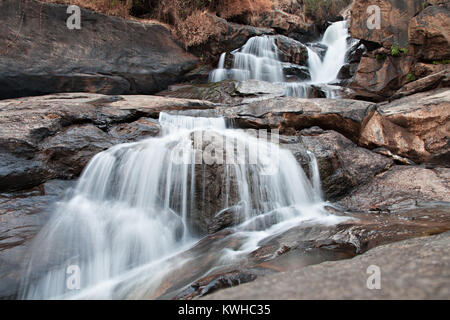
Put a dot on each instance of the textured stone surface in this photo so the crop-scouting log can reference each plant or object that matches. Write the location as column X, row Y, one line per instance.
column 411, row 269
column 110, row 55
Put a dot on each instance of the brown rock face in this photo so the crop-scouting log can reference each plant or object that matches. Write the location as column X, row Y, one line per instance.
column 40, row 55
column 342, row 164
column 399, row 188
column 416, row 127
column 291, row 51
column 429, row 33
column 225, row 37
column 395, row 18
column 376, row 79
column 433, row 81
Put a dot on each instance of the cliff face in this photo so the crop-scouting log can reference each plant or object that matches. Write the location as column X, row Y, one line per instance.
column 408, row 53
column 108, row 55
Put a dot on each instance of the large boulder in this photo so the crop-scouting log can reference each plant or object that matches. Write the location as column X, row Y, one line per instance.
column 399, row 188
column 378, row 76
column 415, row 127
column 107, row 55
column 395, row 18
column 22, row 216
column 429, row 33
column 292, row 51
column 54, row 136
column 342, row 164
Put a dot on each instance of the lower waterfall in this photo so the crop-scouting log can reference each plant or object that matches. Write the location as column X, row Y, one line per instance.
column 136, row 204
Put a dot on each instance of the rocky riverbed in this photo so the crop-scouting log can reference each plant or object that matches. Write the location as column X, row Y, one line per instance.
column 382, row 147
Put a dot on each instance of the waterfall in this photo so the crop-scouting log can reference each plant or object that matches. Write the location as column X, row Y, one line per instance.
column 136, row 202
column 258, row 59
column 335, row 39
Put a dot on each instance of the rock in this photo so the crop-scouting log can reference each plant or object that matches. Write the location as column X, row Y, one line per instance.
column 217, row 92
column 107, row 55
column 415, row 127
column 342, row 164
column 227, row 92
column 421, row 70
column 226, row 37
column 399, row 188
column 210, row 284
column 69, row 151
column 292, row 51
column 290, row 114
column 395, row 18
column 139, row 129
column 54, row 136
column 293, row 249
column 410, row 269
column 22, row 214
column 433, row 81
column 295, row 73
column 287, row 24
column 255, row 87
column 429, row 33
column 377, row 79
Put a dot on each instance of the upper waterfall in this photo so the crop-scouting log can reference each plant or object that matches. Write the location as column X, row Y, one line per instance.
column 258, row 59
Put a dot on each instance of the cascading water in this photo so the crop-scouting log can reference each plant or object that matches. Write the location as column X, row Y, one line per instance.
column 258, row 60
column 134, row 204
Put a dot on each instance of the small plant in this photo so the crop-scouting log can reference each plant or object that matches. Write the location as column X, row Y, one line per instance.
column 410, row 77
column 445, row 61
column 397, row 51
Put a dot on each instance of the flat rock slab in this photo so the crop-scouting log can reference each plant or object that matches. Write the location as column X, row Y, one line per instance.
column 411, row 269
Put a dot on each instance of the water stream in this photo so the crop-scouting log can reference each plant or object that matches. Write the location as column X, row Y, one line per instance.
column 135, row 206
column 258, row 59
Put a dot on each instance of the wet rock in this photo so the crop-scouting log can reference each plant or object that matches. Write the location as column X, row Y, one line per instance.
column 292, row 114
column 415, row 127
column 137, row 130
column 210, row 284
column 107, row 55
column 54, row 136
column 22, row 215
column 292, row 51
column 343, row 165
column 411, row 269
column 218, row 92
column 296, row 73
column 400, row 187
column 429, row 33
column 69, row 151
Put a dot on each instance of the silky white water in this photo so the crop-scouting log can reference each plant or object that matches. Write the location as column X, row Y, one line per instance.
column 135, row 203
column 258, row 59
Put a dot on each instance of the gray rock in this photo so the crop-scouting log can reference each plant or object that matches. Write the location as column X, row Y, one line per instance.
column 411, row 269
column 107, row 55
